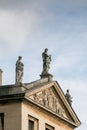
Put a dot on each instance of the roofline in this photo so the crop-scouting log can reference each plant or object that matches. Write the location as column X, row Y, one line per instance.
column 61, row 95
column 42, row 108
column 68, row 105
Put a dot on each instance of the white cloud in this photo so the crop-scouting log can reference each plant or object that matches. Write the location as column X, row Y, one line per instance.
column 15, row 27
column 12, row 31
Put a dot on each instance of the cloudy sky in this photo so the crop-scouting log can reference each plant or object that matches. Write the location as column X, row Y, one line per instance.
column 27, row 27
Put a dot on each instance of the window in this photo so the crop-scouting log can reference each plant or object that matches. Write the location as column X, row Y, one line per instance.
column 32, row 123
column 1, row 121
column 48, row 127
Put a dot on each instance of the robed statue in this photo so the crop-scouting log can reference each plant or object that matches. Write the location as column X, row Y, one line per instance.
column 46, row 61
column 19, row 71
column 68, row 97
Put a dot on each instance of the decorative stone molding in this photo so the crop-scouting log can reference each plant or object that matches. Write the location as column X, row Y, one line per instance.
column 48, row 99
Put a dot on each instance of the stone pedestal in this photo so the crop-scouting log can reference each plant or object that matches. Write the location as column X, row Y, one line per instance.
column 47, row 75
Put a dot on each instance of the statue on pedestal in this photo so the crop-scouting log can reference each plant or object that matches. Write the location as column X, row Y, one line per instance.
column 46, row 61
column 19, row 71
column 68, row 97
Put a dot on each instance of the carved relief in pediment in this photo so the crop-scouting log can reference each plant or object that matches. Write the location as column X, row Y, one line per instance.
column 48, row 99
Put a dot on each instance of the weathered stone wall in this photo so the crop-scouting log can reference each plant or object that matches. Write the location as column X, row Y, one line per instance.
column 42, row 118
column 12, row 115
column 16, row 116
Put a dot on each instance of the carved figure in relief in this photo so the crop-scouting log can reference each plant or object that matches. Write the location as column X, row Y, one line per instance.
column 51, row 98
column 40, row 97
column 60, row 111
column 35, row 97
column 48, row 99
column 56, row 105
column 45, row 100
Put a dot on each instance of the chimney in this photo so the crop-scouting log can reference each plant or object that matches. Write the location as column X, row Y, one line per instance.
column 1, row 77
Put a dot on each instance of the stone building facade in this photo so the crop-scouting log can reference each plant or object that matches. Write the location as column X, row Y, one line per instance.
column 39, row 105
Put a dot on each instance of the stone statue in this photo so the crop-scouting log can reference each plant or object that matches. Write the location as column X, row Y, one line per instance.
column 68, row 97
column 19, row 70
column 46, row 61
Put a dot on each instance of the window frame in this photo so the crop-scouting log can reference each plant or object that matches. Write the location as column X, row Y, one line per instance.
column 49, row 127
column 34, row 120
column 2, row 120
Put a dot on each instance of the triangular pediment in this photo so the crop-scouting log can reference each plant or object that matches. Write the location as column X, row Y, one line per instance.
column 50, row 100
column 51, row 97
